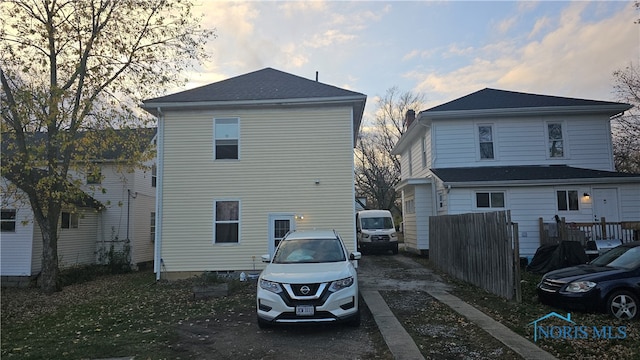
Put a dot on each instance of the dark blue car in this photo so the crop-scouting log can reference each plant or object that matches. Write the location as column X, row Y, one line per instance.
column 610, row 283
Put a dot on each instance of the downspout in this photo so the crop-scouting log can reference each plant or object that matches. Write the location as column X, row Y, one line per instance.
column 157, row 261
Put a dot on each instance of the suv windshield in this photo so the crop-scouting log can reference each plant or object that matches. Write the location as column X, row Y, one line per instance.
column 376, row 223
column 309, row 251
column 620, row 257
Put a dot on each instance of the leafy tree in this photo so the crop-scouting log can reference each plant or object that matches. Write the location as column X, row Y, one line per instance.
column 626, row 128
column 70, row 71
column 377, row 171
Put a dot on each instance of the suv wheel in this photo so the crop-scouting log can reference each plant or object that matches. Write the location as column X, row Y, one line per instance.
column 355, row 320
column 263, row 324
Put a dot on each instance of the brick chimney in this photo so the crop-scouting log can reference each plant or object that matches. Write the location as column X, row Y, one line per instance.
column 409, row 117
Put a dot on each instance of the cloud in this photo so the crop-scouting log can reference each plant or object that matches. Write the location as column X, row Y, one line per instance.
column 576, row 58
column 328, row 38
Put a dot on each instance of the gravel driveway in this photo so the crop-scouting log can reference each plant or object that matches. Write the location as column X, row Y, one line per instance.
column 438, row 332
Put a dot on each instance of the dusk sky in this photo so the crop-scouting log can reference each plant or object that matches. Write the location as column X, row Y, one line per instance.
column 444, row 49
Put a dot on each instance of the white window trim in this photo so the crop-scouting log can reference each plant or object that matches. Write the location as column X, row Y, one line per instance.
column 214, row 137
column 565, row 143
column 475, row 199
column 568, row 211
column 494, row 141
column 14, row 220
column 213, row 232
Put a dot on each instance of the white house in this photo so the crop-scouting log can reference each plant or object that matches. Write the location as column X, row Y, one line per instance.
column 538, row 156
column 117, row 210
column 243, row 161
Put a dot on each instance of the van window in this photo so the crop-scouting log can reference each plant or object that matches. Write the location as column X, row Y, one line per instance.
column 376, row 223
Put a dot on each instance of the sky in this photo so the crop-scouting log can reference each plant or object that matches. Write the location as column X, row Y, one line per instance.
column 442, row 49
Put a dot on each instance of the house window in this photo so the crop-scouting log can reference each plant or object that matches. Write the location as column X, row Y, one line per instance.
column 8, row 220
column 410, row 206
column 152, row 228
column 94, row 176
column 226, row 222
column 424, row 151
column 567, row 200
column 154, row 175
column 485, row 138
column 226, row 138
column 69, row 220
column 490, row 200
column 555, row 140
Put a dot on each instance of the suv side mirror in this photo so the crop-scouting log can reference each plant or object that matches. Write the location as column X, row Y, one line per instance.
column 355, row 255
column 266, row 258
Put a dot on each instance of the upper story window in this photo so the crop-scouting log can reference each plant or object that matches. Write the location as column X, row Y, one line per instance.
column 485, row 139
column 567, row 200
column 424, row 151
column 490, row 199
column 8, row 220
column 226, row 138
column 555, row 140
column 226, row 221
column 154, row 175
column 94, row 176
column 69, row 220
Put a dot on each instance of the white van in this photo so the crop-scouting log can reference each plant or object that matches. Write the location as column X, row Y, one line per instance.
column 375, row 231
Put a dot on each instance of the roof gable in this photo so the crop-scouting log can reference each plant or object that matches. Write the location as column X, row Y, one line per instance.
column 487, row 99
column 266, row 87
column 265, row 84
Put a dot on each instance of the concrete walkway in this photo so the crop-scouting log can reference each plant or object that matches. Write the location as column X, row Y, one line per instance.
column 372, row 279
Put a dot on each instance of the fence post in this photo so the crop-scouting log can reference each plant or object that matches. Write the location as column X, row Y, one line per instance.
column 603, row 225
column 562, row 231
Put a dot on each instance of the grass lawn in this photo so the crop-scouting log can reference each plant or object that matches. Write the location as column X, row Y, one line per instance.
column 115, row 316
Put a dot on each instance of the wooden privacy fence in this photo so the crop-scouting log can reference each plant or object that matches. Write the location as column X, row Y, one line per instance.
column 479, row 248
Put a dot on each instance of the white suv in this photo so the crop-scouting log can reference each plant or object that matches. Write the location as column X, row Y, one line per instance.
column 311, row 279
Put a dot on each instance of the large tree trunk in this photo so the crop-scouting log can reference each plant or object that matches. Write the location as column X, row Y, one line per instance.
column 49, row 279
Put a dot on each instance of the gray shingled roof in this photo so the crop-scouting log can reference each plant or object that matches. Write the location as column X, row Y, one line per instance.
column 261, row 88
column 486, row 99
column 265, row 84
column 540, row 173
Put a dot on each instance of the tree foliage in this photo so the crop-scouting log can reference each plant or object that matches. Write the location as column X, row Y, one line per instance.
column 626, row 128
column 72, row 71
column 377, row 171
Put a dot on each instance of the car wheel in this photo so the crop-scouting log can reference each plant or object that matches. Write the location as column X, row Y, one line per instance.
column 623, row 305
column 263, row 324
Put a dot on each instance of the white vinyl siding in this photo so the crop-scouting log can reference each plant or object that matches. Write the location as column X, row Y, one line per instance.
column 284, row 153
column 523, row 141
column 16, row 246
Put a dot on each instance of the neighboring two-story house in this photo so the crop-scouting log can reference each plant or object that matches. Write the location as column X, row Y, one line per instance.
column 535, row 155
column 115, row 211
column 245, row 160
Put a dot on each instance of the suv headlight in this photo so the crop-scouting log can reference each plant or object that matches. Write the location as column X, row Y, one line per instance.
column 341, row 284
column 580, row 286
column 274, row 287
